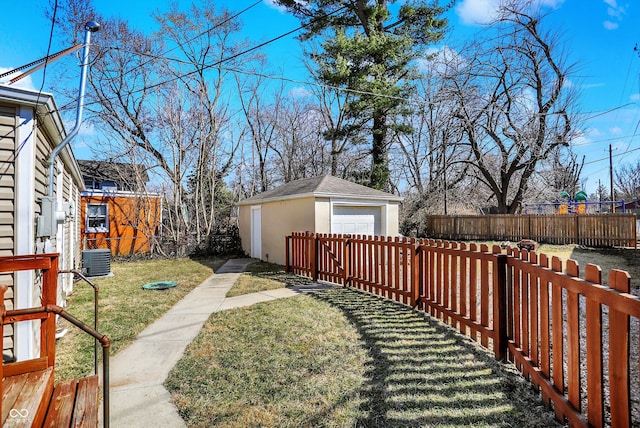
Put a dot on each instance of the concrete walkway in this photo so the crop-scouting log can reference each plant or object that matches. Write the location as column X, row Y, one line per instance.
column 138, row 398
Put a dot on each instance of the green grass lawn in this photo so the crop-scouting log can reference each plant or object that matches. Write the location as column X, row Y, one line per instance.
column 342, row 358
column 125, row 309
column 334, row 358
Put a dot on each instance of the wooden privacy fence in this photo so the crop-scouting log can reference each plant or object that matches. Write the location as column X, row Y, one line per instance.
column 594, row 230
column 575, row 339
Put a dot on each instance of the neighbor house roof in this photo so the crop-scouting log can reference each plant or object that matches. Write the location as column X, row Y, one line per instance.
column 124, row 174
column 323, row 186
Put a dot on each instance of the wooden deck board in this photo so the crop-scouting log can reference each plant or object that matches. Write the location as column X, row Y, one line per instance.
column 61, row 406
column 12, row 386
column 33, row 393
column 86, row 407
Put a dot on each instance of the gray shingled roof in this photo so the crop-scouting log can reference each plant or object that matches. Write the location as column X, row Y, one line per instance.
column 124, row 174
column 327, row 186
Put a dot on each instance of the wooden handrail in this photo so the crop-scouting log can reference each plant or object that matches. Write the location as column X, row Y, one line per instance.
column 25, row 314
column 48, row 263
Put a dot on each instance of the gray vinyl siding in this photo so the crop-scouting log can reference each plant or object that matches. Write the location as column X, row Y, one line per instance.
column 42, row 132
column 8, row 122
column 43, row 148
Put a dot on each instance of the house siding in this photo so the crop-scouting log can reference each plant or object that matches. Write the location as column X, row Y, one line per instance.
column 26, row 141
column 133, row 220
column 43, row 148
column 8, row 122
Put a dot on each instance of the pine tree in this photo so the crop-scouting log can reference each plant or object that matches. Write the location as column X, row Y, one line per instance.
column 369, row 47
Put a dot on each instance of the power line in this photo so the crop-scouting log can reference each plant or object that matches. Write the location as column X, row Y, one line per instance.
column 208, row 30
column 614, row 156
column 215, row 64
column 44, row 71
column 44, row 75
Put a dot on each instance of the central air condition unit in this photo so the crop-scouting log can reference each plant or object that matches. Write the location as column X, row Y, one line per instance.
column 96, row 262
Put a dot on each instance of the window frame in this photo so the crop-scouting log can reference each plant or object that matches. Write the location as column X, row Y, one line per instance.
column 96, row 229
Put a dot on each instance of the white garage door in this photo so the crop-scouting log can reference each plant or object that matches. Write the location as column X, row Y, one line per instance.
column 356, row 220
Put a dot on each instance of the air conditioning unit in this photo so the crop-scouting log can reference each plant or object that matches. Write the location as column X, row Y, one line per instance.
column 96, row 262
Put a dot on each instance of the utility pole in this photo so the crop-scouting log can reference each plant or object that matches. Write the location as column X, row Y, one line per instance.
column 613, row 196
column 444, row 179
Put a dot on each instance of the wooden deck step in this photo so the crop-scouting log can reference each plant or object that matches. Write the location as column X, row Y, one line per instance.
column 74, row 404
column 25, row 398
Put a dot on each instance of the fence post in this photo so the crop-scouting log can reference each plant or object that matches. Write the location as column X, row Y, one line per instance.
column 416, row 275
column 635, row 233
column 619, row 336
column 347, row 260
column 287, row 240
column 313, row 255
column 500, row 309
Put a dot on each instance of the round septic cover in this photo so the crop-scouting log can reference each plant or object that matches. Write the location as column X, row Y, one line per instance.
column 159, row 285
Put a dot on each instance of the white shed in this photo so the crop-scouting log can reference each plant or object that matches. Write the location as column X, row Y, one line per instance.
column 323, row 204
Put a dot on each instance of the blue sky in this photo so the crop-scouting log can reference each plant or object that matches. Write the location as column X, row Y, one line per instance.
column 600, row 36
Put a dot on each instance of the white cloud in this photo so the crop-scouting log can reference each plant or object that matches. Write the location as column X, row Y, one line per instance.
column 299, row 92
column 272, row 4
column 634, row 97
column 25, row 83
column 476, row 12
column 552, row 3
column 610, row 25
column 581, row 140
column 86, row 132
column 443, row 60
column 87, row 129
column 593, row 132
column 587, row 137
column 616, row 130
column 78, row 144
column 592, row 85
column 616, row 14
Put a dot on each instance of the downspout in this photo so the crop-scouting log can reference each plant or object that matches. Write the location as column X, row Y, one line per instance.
column 50, row 217
column 90, row 27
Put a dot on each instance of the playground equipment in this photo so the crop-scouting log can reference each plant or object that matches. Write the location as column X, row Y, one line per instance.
column 576, row 205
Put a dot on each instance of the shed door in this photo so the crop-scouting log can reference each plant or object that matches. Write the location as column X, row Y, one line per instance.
column 256, row 232
column 356, row 220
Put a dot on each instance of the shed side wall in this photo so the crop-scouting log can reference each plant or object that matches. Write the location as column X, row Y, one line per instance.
column 279, row 219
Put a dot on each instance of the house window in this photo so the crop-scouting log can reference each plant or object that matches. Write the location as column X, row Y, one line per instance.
column 97, row 218
column 108, row 186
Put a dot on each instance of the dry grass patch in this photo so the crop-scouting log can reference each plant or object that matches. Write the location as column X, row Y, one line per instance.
column 125, row 308
column 263, row 276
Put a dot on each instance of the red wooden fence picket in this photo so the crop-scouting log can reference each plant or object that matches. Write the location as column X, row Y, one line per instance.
column 558, row 329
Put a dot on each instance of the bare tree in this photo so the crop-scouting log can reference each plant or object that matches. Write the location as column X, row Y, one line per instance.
column 514, row 102
column 560, row 173
column 203, row 98
column 627, row 181
column 164, row 102
column 260, row 119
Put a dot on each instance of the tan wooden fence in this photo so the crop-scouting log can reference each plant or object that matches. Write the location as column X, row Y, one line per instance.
column 576, row 340
column 594, row 230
